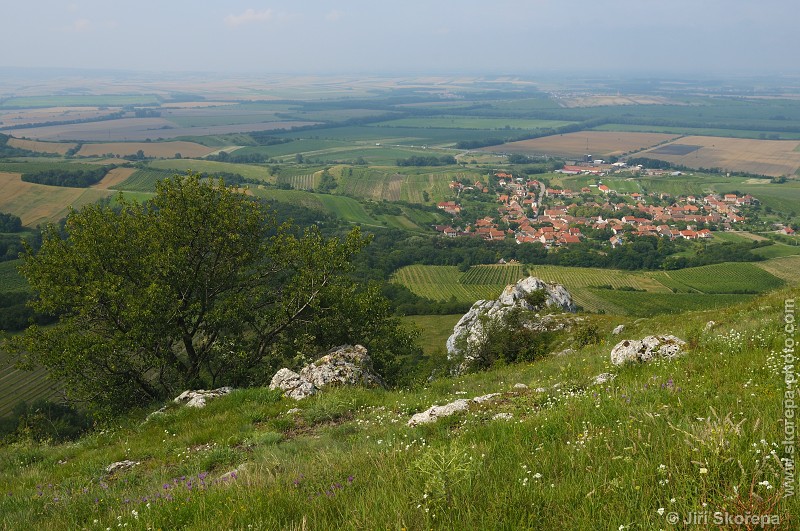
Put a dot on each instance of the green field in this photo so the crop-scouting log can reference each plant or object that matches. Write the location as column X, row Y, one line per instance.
column 786, row 268
column 79, row 101
column 468, row 122
column 305, row 146
column 211, row 119
column 444, row 283
column 698, row 131
column 777, row 250
column 206, row 166
column 724, row 278
column 143, row 180
column 434, row 330
column 648, row 304
column 10, row 279
column 17, row 385
column 493, row 275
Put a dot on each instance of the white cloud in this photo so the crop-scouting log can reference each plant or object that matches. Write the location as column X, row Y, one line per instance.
column 249, row 16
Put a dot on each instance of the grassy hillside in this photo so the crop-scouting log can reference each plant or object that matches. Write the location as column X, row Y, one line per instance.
column 701, row 432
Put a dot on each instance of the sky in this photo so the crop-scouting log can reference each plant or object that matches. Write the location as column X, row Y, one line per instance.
column 410, row 36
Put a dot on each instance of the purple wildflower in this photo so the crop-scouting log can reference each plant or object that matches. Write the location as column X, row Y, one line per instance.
column 350, row 479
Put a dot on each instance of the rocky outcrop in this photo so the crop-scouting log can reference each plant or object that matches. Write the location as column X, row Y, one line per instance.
column 199, row 397
column 646, row 349
column 343, row 366
column 292, row 384
column 531, row 294
column 346, row 365
column 434, row 413
column 618, row 330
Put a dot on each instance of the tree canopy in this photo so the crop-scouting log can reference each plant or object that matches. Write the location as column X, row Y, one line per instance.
column 200, row 286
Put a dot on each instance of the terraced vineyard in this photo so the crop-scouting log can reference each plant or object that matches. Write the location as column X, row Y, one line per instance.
column 17, row 385
column 493, row 274
column 724, row 278
column 444, row 283
column 300, row 182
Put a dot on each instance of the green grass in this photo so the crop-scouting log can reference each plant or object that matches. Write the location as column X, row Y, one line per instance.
column 434, row 330
column 777, row 250
column 786, row 268
column 649, row 304
column 685, row 435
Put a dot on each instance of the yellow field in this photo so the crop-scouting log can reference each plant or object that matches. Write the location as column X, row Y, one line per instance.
column 597, row 143
column 150, row 149
column 52, row 114
column 766, row 157
column 36, row 203
column 41, row 147
column 114, row 177
column 596, row 101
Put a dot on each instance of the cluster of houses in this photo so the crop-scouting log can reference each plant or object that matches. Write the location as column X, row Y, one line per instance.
column 530, row 212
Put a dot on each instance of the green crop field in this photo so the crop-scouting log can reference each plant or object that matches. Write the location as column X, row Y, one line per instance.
column 143, row 180
column 10, row 279
column 786, row 268
column 640, row 304
column 17, row 385
column 444, row 283
column 777, row 250
column 782, row 197
column 211, row 118
column 467, row 122
column 206, row 166
column 740, row 277
column 79, row 101
column 306, row 146
column 493, row 274
column 300, row 182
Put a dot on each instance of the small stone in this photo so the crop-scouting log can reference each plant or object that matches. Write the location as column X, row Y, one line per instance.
column 646, row 349
column 520, row 386
column 484, row 398
column 121, row 465
column 709, row 326
column 199, row 397
column 503, row 416
column 618, row 330
column 602, row 378
column 294, row 411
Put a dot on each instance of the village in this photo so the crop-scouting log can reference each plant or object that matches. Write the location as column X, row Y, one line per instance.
column 531, row 212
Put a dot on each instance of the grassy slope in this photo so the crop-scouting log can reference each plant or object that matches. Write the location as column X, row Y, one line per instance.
column 679, row 435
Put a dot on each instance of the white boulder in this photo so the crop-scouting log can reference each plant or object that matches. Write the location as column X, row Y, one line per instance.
column 646, row 349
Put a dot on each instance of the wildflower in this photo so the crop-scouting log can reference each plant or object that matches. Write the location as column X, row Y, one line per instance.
column 537, row 475
column 704, row 470
column 660, row 511
column 350, row 479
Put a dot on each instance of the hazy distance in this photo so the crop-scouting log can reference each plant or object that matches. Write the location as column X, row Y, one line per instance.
column 707, row 37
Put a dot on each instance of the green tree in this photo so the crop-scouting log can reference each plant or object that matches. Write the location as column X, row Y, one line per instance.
column 198, row 287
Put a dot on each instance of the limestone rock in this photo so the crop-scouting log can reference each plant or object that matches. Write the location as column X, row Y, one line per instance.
column 470, row 326
column 292, row 384
column 345, row 365
column 520, row 386
column 602, row 378
column 121, row 465
column 503, row 416
column 646, row 349
column 709, row 326
column 199, row 397
column 618, row 330
column 434, row 413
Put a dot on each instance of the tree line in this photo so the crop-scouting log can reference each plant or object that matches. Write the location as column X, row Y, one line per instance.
column 68, row 177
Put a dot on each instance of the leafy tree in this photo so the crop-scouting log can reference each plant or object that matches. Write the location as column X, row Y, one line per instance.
column 198, row 287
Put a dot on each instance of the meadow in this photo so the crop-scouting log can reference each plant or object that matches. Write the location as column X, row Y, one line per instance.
column 625, row 454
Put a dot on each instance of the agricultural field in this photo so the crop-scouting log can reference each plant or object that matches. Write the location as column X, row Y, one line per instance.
column 36, row 204
column 10, row 279
column 143, row 180
column 639, row 304
column 764, row 157
column 493, row 274
column 443, row 283
column 27, row 117
column 17, row 385
column 308, row 181
column 575, row 145
column 306, row 147
column 777, row 250
column 165, row 150
column 786, row 268
column 115, row 178
column 700, row 131
column 139, row 129
column 739, row 277
column 467, row 122
column 100, row 100
column 59, row 148
column 207, row 166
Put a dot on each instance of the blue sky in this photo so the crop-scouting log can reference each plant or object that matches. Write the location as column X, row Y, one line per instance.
column 433, row 36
